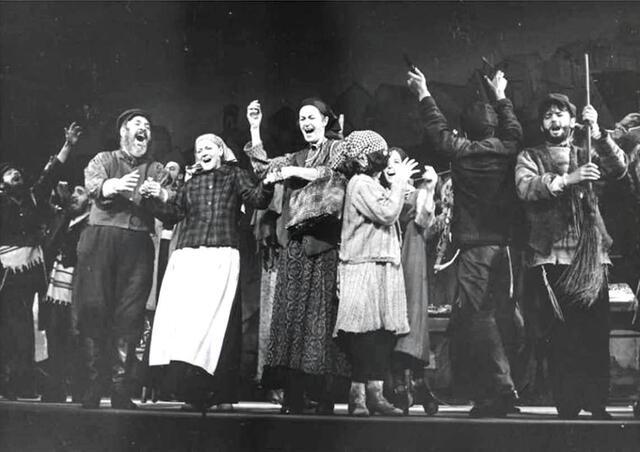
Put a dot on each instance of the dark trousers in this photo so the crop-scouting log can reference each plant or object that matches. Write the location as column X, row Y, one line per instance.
column 111, row 284
column 370, row 354
column 479, row 360
column 16, row 338
column 577, row 350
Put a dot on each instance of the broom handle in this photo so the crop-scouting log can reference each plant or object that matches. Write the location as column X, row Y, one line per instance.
column 588, row 85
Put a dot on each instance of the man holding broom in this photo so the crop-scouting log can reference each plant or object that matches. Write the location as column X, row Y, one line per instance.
column 567, row 282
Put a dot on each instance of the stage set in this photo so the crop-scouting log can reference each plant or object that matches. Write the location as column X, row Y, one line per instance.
column 162, row 426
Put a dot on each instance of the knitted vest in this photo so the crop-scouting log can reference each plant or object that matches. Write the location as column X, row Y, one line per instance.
column 550, row 219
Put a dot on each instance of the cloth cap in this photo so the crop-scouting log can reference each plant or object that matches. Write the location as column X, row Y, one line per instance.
column 227, row 153
column 129, row 114
column 478, row 119
column 558, row 99
column 6, row 166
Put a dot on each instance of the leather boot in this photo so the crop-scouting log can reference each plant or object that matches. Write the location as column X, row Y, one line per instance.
column 120, row 398
column 293, row 397
column 403, row 390
column 376, row 403
column 91, row 354
column 423, row 392
column 358, row 400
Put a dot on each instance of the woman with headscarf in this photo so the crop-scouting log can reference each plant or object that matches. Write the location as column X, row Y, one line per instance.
column 302, row 356
column 373, row 304
column 197, row 326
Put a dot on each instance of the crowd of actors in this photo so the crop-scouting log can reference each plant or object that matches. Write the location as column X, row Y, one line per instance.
column 344, row 310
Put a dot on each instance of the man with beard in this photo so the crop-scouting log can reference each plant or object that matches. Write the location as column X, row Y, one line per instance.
column 115, row 259
column 55, row 315
column 484, row 199
column 22, row 274
column 575, row 336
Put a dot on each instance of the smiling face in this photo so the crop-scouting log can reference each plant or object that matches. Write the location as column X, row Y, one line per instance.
column 208, row 154
column 394, row 160
column 173, row 169
column 557, row 124
column 312, row 124
column 12, row 178
column 135, row 135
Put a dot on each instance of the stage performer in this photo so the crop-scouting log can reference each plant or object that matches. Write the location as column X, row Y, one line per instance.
column 302, row 355
column 412, row 351
column 56, row 315
column 373, row 307
column 198, row 322
column 114, row 272
column 484, row 196
column 560, row 209
column 23, row 213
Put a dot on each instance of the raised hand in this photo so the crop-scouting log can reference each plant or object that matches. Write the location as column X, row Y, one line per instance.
column 417, row 82
column 590, row 116
column 254, row 114
column 498, row 85
column 72, row 133
column 405, row 170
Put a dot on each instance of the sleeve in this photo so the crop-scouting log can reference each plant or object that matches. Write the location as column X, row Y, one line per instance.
column 425, row 208
column 252, row 191
column 437, row 130
column 611, row 160
column 95, row 174
column 261, row 163
column 531, row 185
column 376, row 203
column 509, row 129
column 41, row 190
column 172, row 211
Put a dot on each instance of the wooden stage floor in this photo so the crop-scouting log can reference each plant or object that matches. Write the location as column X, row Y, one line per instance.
column 255, row 426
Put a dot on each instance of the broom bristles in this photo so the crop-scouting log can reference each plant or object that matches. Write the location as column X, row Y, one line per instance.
column 583, row 280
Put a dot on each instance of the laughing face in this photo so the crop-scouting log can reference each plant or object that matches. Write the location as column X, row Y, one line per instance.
column 312, row 124
column 557, row 124
column 208, row 155
column 12, row 178
column 135, row 135
column 394, row 160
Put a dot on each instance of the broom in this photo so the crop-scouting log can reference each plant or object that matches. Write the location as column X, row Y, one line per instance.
column 583, row 280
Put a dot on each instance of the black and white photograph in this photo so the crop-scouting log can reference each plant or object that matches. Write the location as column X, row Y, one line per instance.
column 318, row 226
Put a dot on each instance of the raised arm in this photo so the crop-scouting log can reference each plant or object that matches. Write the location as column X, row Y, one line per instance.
column 611, row 160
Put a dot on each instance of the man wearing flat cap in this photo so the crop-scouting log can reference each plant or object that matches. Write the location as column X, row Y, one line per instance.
column 115, row 259
column 23, row 210
column 569, row 316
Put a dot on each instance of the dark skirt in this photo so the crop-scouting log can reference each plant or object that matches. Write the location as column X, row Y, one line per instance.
column 305, row 306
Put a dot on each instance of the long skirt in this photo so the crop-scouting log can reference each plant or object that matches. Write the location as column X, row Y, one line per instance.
column 194, row 307
column 304, row 315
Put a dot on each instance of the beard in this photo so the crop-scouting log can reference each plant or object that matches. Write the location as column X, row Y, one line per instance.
column 566, row 133
column 131, row 146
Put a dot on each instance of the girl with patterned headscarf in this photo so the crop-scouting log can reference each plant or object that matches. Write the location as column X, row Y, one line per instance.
column 373, row 307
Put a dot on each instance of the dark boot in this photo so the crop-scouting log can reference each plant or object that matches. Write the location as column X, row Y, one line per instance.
column 403, row 390
column 326, row 404
column 293, row 399
column 7, row 384
column 120, row 397
column 91, row 354
column 423, row 392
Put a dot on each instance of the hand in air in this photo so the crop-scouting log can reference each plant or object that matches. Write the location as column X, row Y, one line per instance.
column 254, row 114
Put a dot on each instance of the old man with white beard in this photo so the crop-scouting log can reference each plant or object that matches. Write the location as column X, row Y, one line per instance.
column 115, row 259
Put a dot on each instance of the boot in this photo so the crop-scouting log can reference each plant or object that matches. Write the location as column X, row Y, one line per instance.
column 93, row 392
column 376, row 403
column 326, row 403
column 358, row 400
column 119, row 392
column 7, row 384
column 429, row 402
column 403, row 391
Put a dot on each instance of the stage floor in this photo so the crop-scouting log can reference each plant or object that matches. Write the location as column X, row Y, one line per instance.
column 255, row 426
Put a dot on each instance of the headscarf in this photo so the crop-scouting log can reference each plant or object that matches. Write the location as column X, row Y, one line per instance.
column 333, row 129
column 227, row 154
column 358, row 145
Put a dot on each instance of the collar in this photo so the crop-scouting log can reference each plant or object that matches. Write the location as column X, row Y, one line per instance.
column 78, row 219
column 318, row 145
column 133, row 161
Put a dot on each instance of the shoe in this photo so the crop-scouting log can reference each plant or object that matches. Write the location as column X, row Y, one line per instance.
column 403, row 391
column 568, row 412
column 325, row 408
column 358, row 400
column 376, row 403
column 497, row 407
column 430, row 403
column 636, row 408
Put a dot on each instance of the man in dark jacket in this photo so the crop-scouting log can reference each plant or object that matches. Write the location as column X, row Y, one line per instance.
column 23, row 211
column 484, row 196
